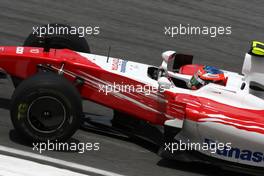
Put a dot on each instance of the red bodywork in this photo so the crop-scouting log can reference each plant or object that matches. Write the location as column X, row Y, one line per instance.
column 25, row 64
column 22, row 62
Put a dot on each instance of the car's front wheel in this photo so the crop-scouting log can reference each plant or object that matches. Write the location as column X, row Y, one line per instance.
column 46, row 107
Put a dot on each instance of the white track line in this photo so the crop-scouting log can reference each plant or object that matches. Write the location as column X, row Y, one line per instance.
column 57, row 161
column 12, row 166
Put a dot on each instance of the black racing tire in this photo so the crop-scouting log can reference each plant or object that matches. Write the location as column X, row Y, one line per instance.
column 16, row 81
column 58, row 41
column 46, row 107
column 68, row 41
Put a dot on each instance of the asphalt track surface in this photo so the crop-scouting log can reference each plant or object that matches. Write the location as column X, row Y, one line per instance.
column 135, row 30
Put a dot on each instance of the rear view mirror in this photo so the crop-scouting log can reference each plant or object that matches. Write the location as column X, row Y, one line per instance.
column 167, row 56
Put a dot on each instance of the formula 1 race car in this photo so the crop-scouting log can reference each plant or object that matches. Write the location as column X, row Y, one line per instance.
column 174, row 98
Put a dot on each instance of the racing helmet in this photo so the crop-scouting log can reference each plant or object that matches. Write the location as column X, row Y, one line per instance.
column 205, row 75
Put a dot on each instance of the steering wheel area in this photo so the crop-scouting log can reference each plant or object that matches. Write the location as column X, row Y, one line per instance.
column 161, row 73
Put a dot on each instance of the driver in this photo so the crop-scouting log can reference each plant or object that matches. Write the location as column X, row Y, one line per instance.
column 205, row 75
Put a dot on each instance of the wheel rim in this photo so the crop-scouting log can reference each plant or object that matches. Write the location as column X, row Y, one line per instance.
column 46, row 114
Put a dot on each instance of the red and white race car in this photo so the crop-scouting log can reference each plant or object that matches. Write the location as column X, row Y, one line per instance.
column 51, row 83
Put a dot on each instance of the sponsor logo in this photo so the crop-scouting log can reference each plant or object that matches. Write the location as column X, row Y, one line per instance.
column 34, row 51
column 123, row 66
column 2, row 49
column 209, row 75
column 237, row 153
column 20, row 50
column 115, row 64
column 133, row 67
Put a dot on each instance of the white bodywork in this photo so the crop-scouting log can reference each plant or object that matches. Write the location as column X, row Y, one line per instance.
column 231, row 94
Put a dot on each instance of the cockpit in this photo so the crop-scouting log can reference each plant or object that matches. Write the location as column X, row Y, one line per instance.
column 179, row 70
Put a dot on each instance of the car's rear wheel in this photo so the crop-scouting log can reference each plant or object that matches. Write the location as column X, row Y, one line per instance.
column 56, row 41
column 46, row 107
